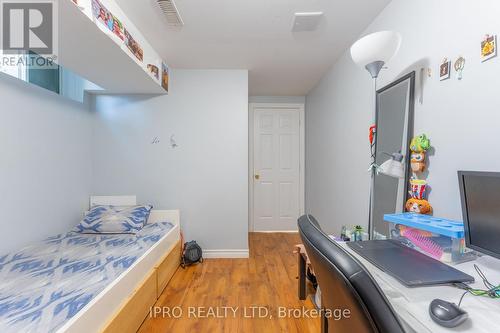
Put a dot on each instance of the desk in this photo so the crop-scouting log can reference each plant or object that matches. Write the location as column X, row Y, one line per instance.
column 412, row 304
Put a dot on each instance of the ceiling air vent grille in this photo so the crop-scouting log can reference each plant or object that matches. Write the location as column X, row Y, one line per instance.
column 170, row 10
column 306, row 21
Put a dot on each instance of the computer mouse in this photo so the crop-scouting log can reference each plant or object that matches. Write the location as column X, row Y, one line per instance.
column 446, row 314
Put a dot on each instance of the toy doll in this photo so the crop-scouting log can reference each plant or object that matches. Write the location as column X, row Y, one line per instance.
column 419, row 206
column 420, row 143
column 417, row 161
column 419, row 146
column 417, row 202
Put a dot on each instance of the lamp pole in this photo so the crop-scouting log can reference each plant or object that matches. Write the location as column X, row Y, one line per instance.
column 374, row 69
column 372, row 52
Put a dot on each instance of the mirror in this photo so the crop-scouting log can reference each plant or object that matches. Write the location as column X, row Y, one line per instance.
column 394, row 121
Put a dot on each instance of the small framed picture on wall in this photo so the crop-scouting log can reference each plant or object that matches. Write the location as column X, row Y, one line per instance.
column 444, row 70
column 488, row 47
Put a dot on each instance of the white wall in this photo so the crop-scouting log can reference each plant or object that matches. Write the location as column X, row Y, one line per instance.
column 45, row 163
column 206, row 176
column 460, row 117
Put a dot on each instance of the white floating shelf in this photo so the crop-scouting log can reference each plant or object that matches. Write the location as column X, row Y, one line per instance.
column 88, row 51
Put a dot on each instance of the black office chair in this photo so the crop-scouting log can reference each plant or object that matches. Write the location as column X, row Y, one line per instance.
column 345, row 284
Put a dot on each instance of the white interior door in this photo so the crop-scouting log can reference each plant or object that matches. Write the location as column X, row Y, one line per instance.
column 276, row 156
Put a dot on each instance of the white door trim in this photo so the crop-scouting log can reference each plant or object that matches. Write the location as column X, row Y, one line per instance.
column 302, row 156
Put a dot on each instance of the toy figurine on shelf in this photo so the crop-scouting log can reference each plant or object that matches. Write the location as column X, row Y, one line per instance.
column 419, row 146
column 419, row 206
column 417, row 203
column 417, row 161
column 418, row 188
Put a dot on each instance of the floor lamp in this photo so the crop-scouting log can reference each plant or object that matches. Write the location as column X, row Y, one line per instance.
column 372, row 52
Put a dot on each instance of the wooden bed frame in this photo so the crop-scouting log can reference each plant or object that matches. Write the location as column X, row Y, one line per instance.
column 137, row 307
column 125, row 303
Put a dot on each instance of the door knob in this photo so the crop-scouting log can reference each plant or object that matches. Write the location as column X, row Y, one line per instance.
column 257, row 176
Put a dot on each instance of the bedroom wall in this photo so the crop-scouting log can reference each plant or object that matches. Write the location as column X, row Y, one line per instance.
column 461, row 117
column 45, row 163
column 206, row 176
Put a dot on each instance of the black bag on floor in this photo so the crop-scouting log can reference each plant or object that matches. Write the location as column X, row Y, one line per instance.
column 192, row 254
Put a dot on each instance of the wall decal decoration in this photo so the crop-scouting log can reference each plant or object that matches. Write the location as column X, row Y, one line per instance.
column 154, row 71
column 444, row 69
column 164, row 76
column 106, row 18
column 459, row 66
column 133, row 46
column 488, row 47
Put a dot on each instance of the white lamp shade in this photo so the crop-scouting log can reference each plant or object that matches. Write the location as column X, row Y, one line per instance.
column 379, row 46
column 392, row 168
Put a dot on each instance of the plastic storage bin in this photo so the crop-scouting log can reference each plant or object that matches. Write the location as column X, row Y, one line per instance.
column 438, row 238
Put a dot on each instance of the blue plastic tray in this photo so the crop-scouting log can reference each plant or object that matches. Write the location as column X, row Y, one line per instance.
column 450, row 228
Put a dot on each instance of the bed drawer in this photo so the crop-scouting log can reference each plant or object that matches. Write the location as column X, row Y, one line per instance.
column 167, row 267
column 132, row 314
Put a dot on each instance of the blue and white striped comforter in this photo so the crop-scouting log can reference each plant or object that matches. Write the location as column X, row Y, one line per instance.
column 44, row 285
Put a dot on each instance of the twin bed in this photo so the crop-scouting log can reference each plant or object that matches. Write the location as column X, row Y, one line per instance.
column 76, row 282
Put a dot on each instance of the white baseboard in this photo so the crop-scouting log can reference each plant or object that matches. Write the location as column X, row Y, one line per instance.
column 235, row 253
column 276, row 231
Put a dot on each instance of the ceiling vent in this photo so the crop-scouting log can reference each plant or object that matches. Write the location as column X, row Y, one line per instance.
column 170, row 10
column 306, row 21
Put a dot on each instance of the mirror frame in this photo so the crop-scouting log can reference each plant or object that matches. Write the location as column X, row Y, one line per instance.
column 409, row 133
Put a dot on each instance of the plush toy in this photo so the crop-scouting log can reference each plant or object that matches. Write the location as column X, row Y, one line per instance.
column 420, row 144
column 417, row 203
column 418, row 188
column 417, row 161
column 419, row 206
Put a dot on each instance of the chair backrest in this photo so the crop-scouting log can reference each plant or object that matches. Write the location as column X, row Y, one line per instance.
column 346, row 284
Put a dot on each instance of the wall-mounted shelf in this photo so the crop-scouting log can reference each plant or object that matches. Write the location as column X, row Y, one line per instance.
column 86, row 50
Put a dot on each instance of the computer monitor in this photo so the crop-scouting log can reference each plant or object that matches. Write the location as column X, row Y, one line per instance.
column 480, row 194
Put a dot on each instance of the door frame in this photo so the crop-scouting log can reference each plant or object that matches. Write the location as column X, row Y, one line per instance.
column 302, row 144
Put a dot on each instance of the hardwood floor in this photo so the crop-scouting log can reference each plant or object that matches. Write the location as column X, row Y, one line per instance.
column 220, row 295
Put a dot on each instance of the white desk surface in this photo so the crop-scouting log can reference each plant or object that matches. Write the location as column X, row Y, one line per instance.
column 412, row 304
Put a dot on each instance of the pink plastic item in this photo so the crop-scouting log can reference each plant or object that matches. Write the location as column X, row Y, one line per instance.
column 424, row 243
